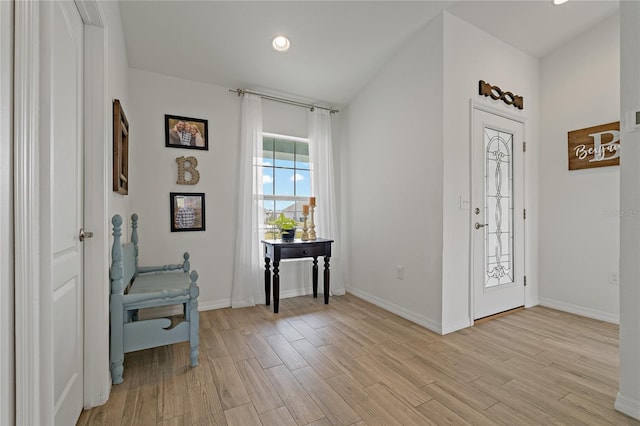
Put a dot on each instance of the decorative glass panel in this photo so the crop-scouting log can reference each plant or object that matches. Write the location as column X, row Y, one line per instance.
column 498, row 210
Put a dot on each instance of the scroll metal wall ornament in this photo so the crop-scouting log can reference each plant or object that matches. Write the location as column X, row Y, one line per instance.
column 497, row 94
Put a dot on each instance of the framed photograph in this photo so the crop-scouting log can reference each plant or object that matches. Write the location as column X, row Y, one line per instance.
column 185, row 132
column 187, row 211
column 120, row 150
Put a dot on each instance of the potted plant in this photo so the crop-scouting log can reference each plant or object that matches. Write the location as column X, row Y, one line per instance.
column 287, row 227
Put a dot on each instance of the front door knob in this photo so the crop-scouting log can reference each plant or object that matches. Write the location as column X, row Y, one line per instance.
column 478, row 225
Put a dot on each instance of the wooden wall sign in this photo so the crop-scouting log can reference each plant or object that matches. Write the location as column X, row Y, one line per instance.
column 597, row 146
column 485, row 89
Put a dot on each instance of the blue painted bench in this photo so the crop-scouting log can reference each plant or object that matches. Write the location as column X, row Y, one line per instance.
column 134, row 287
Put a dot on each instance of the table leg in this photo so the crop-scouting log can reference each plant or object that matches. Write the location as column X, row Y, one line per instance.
column 267, row 281
column 276, row 286
column 315, row 276
column 326, row 280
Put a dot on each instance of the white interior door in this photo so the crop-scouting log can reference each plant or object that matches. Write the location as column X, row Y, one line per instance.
column 61, row 132
column 497, row 224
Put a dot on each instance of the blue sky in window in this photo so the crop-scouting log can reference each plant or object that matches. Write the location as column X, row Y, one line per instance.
column 286, row 181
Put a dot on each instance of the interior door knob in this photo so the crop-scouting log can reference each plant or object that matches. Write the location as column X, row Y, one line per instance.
column 84, row 234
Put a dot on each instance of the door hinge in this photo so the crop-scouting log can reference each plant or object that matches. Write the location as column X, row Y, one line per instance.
column 524, row 146
column 524, row 213
column 525, row 280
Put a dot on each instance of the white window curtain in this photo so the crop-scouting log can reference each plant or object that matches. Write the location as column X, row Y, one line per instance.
column 325, row 215
column 248, row 259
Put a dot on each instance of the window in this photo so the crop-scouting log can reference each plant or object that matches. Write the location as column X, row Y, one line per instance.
column 286, row 178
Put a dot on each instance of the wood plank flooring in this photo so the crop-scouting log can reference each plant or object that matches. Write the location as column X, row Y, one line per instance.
column 353, row 363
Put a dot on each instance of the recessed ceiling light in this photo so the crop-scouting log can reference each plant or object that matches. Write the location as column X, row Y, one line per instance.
column 559, row 2
column 281, row 43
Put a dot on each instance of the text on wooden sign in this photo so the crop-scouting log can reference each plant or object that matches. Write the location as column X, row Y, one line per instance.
column 597, row 146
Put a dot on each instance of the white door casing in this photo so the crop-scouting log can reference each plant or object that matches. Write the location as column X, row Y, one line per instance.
column 98, row 152
column 34, row 387
column 7, row 397
column 61, row 202
column 497, row 214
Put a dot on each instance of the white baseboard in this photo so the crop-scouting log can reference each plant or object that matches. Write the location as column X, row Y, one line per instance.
column 630, row 407
column 307, row 291
column 580, row 310
column 419, row 319
column 338, row 291
column 295, row 292
column 214, row 304
column 226, row 303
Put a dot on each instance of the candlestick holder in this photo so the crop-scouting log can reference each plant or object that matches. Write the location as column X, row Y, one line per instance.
column 312, row 225
column 305, row 234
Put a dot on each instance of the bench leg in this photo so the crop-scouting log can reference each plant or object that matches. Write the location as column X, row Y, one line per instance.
column 116, row 351
column 194, row 325
column 116, row 373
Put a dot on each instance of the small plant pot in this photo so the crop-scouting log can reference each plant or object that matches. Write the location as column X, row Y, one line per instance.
column 288, row 235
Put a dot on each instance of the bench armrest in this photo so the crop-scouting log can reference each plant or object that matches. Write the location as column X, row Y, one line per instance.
column 162, row 295
column 163, row 292
column 185, row 266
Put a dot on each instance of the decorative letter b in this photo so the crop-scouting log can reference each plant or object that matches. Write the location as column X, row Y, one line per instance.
column 190, row 168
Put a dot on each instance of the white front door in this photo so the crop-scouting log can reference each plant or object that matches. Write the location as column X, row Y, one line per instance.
column 61, row 168
column 497, row 212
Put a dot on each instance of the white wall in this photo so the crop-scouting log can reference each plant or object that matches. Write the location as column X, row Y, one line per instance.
column 579, row 221
column 471, row 55
column 154, row 172
column 7, row 384
column 393, row 167
column 628, row 399
column 117, row 88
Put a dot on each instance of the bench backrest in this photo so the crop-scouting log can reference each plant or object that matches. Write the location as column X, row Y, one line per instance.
column 124, row 257
column 128, row 262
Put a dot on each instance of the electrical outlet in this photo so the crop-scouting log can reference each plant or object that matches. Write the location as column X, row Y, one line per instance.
column 400, row 272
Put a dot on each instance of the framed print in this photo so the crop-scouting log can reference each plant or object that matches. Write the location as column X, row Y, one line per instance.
column 185, row 132
column 187, row 211
column 120, row 150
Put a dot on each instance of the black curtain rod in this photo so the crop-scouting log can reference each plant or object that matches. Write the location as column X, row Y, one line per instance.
column 241, row 92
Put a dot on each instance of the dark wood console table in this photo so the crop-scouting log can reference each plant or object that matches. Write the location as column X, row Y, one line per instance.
column 276, row 250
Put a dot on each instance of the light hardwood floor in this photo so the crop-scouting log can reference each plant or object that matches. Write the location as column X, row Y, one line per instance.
column 351, row 362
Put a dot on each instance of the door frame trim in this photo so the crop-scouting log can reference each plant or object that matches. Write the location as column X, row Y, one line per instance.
column 7, row 360
column 33, row 310
column 97, row 380
column 34, row 390
column 488, row 108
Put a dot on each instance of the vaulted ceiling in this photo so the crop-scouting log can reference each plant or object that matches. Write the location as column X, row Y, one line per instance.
column 336, row 46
